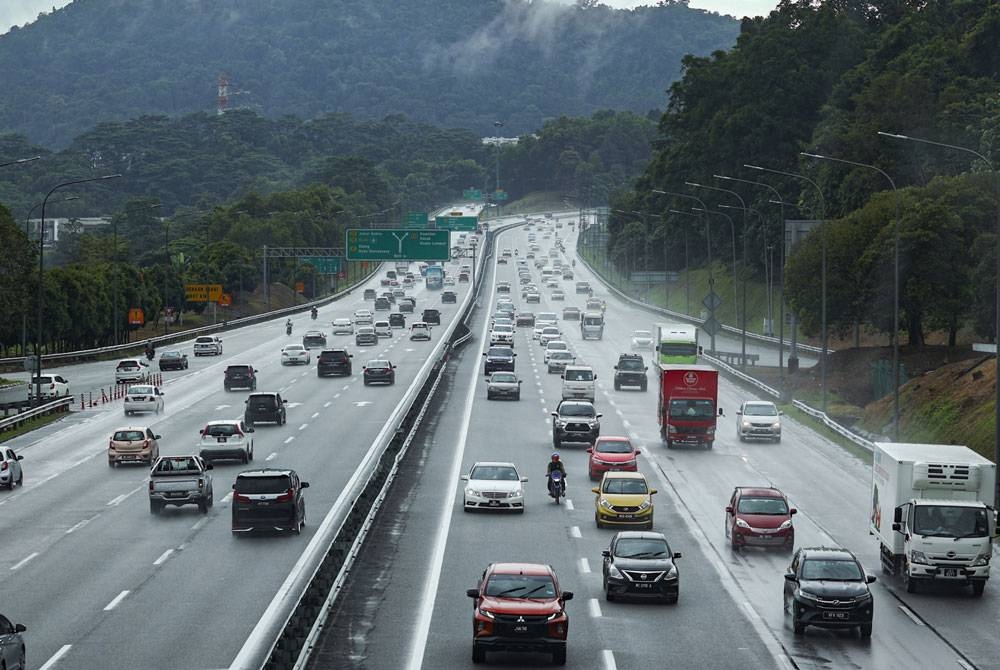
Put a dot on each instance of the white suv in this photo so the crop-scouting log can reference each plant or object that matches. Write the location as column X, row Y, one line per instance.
column 208, row 345
column 230, row 439
column 131, row 370
column 578, row 383
column 501, row 335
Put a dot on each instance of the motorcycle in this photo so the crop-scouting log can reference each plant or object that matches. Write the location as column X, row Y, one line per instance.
column 150, row 353
column 315, row 313
column 288, row 329
column 557, row 485
column 574, row 262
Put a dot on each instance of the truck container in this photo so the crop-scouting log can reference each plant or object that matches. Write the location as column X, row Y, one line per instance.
column 688, row 404
column 592, row 325
column 931, row 512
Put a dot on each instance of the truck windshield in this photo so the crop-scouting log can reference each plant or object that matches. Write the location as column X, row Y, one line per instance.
column 695, row 409
column 579, row 376
column 948, row 521
column 592, row 320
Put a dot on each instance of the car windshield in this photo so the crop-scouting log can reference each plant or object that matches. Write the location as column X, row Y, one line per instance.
column 504, row 377
column 341, row 322
column 204, row 340
column 695, row 409
column 550, row 330
column 170, row 354
column 762, row 505
column 418, row 326
column 238, row 369
column 949, row 521
column 261, row 402
column 496, row 473
column 561, row 356
column 221, row 430
column 269, row 484
column 295, row 347
column 500, row 352
column 127, row 365
column 613, row 447
column 556, row 345
column 502, row 328
column 756, row 409
column 546, row 316
column 636, row 547
column 521, row 586
column 378, row 365
column 128, row 436
column 617, row 485
column 140, row 390
column 576, row 409
column 642, row 335
column 579, row 375
column 630, row 364
column 365, row 330
column 592, row 320
column 831, row 569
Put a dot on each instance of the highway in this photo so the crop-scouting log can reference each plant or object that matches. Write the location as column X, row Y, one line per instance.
column 405, row 606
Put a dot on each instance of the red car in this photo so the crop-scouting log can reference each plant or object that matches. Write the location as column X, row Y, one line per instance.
column 519, row 607
column 612, row 453
column 759, row 516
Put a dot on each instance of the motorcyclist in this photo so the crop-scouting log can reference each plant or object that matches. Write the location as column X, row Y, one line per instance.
column 150, row 350
column 556, row 464
column 315, row 313
column 288, row 326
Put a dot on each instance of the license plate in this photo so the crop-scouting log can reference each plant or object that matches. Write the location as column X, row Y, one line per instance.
column 220, row 439
column 626, row 517
column 951, row 572
column 838, row 616
column 520, row 629
column 494, row 503
column 176, row 494
column 129, row 458
column 642, row 586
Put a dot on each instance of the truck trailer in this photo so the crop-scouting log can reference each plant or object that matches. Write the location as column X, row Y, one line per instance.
column 687, row 407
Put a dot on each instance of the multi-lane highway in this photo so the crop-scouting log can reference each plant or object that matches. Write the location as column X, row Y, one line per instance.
column 405, row 606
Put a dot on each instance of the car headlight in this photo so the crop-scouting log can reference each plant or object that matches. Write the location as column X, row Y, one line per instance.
column 918, row 557
column 776, row 425
column 645, row 505
column 671, row 573
column 486, row 613
column 614, row 572
column 605, row 504
column 555, row 615
column 981, row 560
column 671, row 428
column 472, row 492
column 560, row 423
column 710, row 430
column 745, row 424
column 785, row 525
column 805, row 595
column 742, row 524
column 864, row 597
column 515, row 494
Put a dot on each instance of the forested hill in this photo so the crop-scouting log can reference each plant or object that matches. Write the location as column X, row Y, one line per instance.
column 455, row 63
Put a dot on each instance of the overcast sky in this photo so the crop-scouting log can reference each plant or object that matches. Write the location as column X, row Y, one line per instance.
column 20, row 12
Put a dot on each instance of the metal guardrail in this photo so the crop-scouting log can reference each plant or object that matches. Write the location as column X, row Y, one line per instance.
column 60, row 405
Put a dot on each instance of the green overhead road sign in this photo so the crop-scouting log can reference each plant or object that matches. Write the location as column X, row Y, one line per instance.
column 472, row 194
column 397, row 244
column 416, row 219
column 325, row 265
column 456, row 222
column 500, row 195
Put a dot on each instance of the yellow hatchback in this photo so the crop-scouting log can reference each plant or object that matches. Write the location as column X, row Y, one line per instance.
column 623, row 499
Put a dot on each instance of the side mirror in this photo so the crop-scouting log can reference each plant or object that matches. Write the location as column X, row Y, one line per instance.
column 209, row 466
column 653, row 492
column 484, row 353
column 870, row 579
column 554, row 413
column 720, row 412
column 606, row 553
column 898, row 527
column 250, row 429
column 677, row 554
column 616, row 367
column 19, row 628
column 284, row 402
column 793, row 511
column 596, row 490
column 599, row 416
column 567, row 595
column 464, row 478
column 305, row 485
column 234, row 487
column 562, row 377
column 739, row 413
column 20, row 457
column 897, row 515
column 472, row 593
column 780, row 413
column 157, row 437
column 524, row 479
column 595, row 377
column 518, row 382
column 590, row 450
column 790, row 577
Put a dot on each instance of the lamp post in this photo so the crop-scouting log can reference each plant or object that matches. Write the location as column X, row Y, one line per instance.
column 732, row 233
column 114, row 263
column 996, row 337
column 498, row 125
column 166, row 270
column 895, row 283
column 41, row 279
column 687, row 266
column 822, row 202
column 27, row 234
column 20, row 161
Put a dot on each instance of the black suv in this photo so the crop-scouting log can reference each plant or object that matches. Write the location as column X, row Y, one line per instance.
column 333, row 362
column 370, row 294
column 265, row 407
column 397, row 320
column 382, row 304
column 827, row 587
column 575, row 421
column 268, row 499
column 631, row 371
column 407, row 305
column 449, row 296
column 240, row 377
column 314, row 338
column 431, row 317
column 498, row 359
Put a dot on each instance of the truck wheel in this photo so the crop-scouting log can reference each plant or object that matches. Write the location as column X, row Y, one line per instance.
column 670, row 444
column 618, row 387
column 559, row 656
column 911, row 584
column 154, row 507
column 478, row 653
column 978, row 588
column 643, row 387
column 203, row 507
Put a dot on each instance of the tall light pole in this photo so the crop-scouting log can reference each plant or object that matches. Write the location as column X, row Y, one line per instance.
column 114, row 263
column 27, row 234
column 41, row 279
column 996, row 232
column 895, row 283
column 687, row 266
column 498, row 125
column 732, row 233
column 822, row 202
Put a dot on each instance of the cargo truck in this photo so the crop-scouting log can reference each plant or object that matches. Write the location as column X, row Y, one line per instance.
column 931, row 512
column 592, row 325
column 688, row 404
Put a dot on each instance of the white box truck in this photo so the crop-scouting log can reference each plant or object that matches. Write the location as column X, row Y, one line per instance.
column 932, row 513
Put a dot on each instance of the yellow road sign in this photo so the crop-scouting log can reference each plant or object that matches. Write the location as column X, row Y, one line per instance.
column 202, row 292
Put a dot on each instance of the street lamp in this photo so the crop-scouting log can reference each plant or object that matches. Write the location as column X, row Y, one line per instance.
column 996, row 337
column 822, row 202
column 732, row 232
column 19, row 161
column 895, row 284
column 27, row 234
column 114, row 262
column 41, row 279
column 498, row 125
column 687, row 266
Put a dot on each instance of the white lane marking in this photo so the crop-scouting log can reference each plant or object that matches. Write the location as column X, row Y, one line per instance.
column 24, row 561
column 200, row 523
column 327, row 403
column 584, row 566
column 163, row 557
column 81, row 524
column 84, row 460
column 626, row 424
column 569, row 504
column 965, row 665
column 289, row 439
column 292, row 382
column 227, row 498
column 362, row 403
column 574, row 531
column 609, row 659
column 315, row 414
column 594, row 608
column 913, row 617
column 345, row 388
column 63, row 650
column 114, row 603
column 272, row 456
column 222, row 407
column 336, row 395
column 303, row 426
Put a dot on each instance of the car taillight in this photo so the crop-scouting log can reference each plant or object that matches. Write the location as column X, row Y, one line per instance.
column 4, row 466
column 238, row 497
column 287, row 496
column 150, row 485
column 239, row 433
column 145, row 443
column 111, row 445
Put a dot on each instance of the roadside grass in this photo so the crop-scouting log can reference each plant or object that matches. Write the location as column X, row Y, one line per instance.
column 30, row 425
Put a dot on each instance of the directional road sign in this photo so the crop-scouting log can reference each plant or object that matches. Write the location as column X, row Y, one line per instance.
column 325, row 265
column 472, row 194
column 711, row 326
column 500, row 195
column 416, row 220
column 656, row 277
column 397, row 244
column 202, row 292
column 712, row 301
column 456, row 222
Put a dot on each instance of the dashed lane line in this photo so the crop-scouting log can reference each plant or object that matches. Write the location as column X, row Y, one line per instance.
column 163, row 557
column 24, row 561
column 116, row 601
column 584, row 566
column 63, row 650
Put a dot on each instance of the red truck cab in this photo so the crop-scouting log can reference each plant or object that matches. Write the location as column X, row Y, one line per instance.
column 688, row 404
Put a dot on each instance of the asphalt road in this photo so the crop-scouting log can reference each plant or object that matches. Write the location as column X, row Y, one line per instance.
column 405, row 605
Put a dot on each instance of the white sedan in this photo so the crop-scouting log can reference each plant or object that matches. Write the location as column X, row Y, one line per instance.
column 143, row 398
column 554, row 345
column 493, row 485
column 548, row 334
column 295, row 354
column 642, row 340
column 342, row 327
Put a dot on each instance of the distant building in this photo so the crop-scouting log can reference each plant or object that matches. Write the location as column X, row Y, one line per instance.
column 499, row 140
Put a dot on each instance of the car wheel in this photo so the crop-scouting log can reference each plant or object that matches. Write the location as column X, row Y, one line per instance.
column 865, row 630
column 608, row 595
column 777, row 440
column 672, row 600
column 250, row 454
column 517, row 396
column 559, row 656
column 155, row 507
column 643, row 387
column 365, row 382
column 203, row 507
column 618, row 387
column 478, row 653
column 977, row 587
column 798, row 627
column 245, row 458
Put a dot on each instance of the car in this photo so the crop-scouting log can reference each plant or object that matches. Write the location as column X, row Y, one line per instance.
column 449, row 281
column 384, row 281
column 761, row 516
column 397, row 320
column 407, row 305
column 578, row 382
column 567, row 273
column 595, row 305
column 241, row 376
column 11, row 472
column 630, row 370
column 554, row 345
column 178, row 481
column 493, row 485
column 758, row 419
column 173, row 360
column 397, row 293
column 431, row 316
column 382, row 304
column 502, row 335
column 270, row 499
column 208, row 345
column 639, row 564
column 612, row 453
column 463, row 277
column 524, row 319
column 519, row 607
column 363, row 317
column 503, row 287
column 503, row 385
column 379, row 371
column 548, row 334
column 826, row 587
column 12, row 650
column 333, row 362
column 133, row 444
column 365, row 336
column 314, row 338
column 575, row 421
column 533, row 297
column 623, row 499
column 498, row 359
column 390, row 296
column 507, row 253
column 420, row 331
column 530, row 255
column 558, row 360
column 49, row 386
column 543, row 319
column 382, row 329
column 642, row 340
column 343, row 327
column 583, row 287
column 571, row 313
column 524, row 280
column 226, row 439
column 295, row 354
column 370, row 294
column 143, row 398
column 132, row 371
column 499, row 320
column 265, row 406
column 502, row 260
column 557, row 295
column 449, row 297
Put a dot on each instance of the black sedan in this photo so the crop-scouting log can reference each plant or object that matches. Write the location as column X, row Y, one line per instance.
column 431, row 316
column 449, row 296
column 173, row 360
column 639, row 564
column 379, row 371
column 314, row 338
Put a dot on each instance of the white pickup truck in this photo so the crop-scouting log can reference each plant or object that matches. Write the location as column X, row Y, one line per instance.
column 180, row 480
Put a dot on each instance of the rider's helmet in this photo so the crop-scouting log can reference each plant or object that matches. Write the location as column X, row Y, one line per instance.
column 555, row 458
